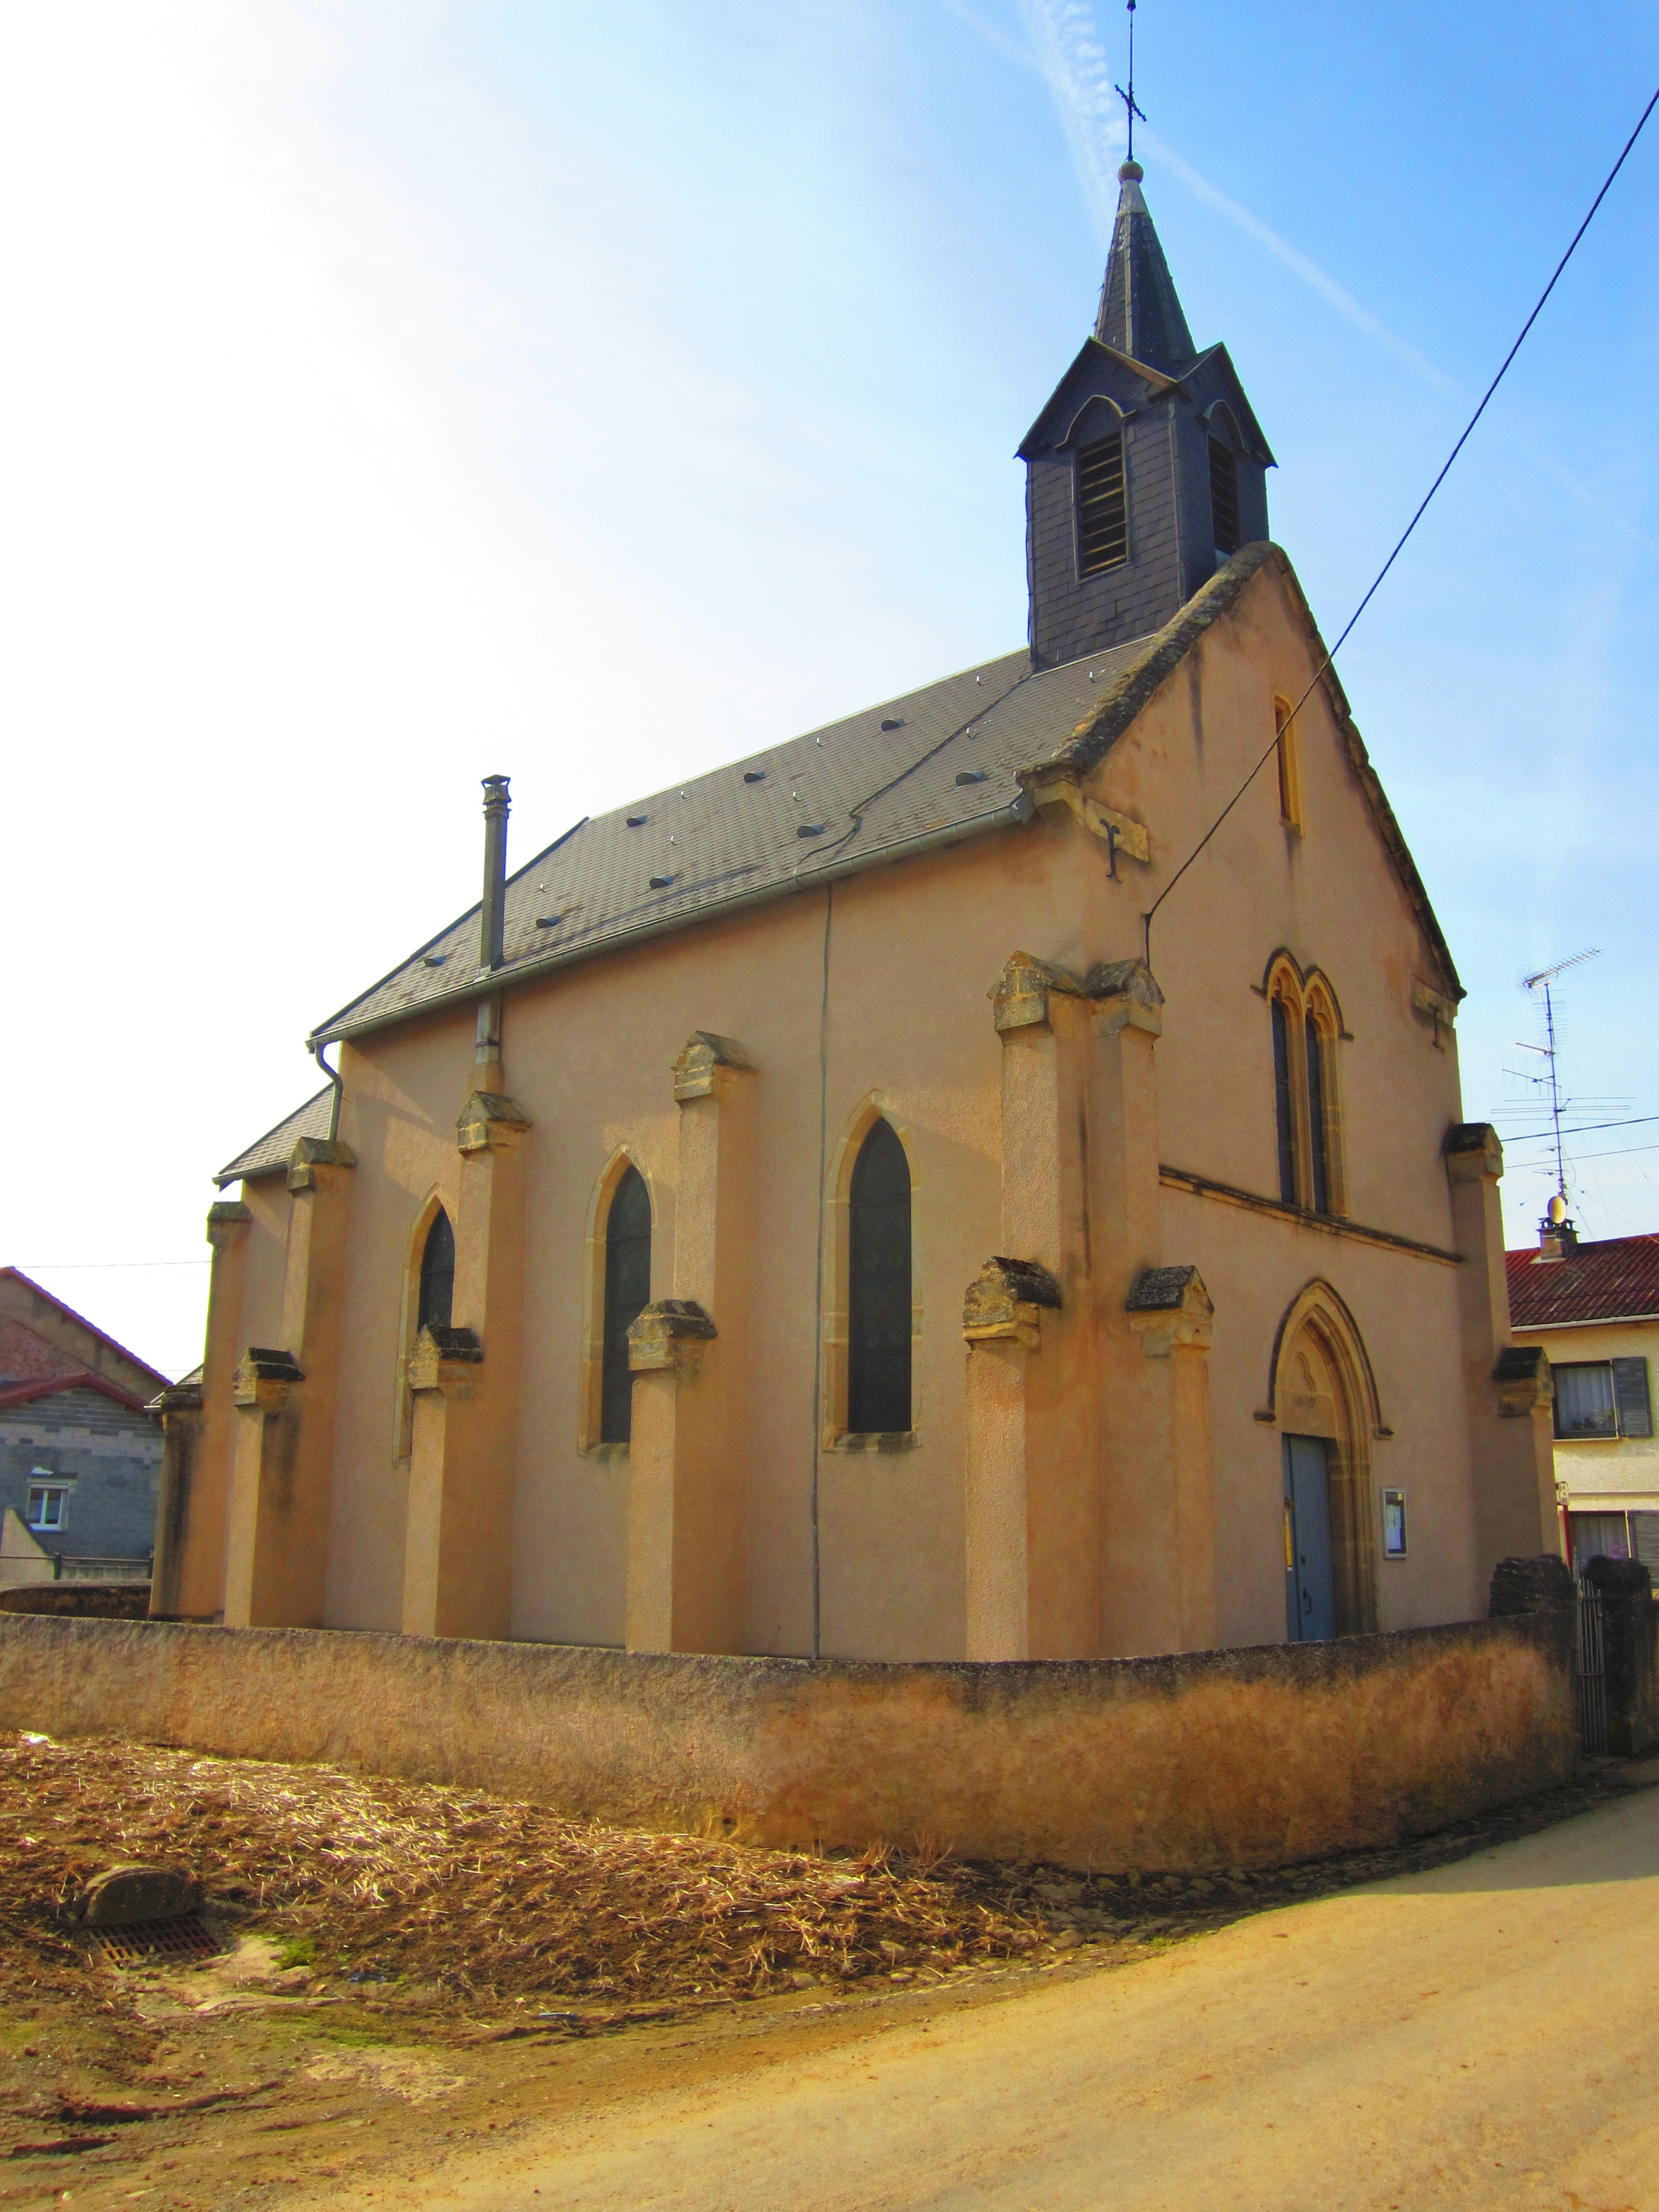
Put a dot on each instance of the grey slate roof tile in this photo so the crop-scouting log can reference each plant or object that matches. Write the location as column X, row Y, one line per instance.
column 274, row 1149
column 723, row 839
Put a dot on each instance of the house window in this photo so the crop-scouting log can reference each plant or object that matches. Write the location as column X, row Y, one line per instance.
column 1318, row 1124
column 878, row 1287
column 627, row 1293
column 437, row 1275
column 1284, row 1108
column 1613, row 1536
column 1102, row 509
column 48, row 1503
column 1603, row 1398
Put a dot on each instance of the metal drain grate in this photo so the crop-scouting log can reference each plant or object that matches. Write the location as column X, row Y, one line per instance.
column 187, row 1938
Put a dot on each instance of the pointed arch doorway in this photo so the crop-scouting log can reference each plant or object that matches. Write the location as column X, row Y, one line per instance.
column 1324, row 1402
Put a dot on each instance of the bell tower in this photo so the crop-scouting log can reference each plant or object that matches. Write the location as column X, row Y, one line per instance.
column 1146, row 468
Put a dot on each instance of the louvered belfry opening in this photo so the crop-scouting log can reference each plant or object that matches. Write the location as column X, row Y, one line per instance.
column 878, row 1289
column 1102, row 510
column 437, row 1273
column 1223, row 496
column 627, row 1293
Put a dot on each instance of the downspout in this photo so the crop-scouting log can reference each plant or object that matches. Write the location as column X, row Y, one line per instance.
column 486, row 1071
column 333, row 1075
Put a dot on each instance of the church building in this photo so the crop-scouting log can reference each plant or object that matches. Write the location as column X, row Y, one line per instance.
column 811, row 1211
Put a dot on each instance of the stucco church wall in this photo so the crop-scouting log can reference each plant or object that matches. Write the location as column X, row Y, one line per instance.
column 588, row 1054
column 1216, row 1759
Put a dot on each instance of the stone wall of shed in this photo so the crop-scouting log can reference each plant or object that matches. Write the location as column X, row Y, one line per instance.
column 114, row 1456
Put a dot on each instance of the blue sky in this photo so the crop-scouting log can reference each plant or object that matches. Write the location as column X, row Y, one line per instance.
column 408, row 392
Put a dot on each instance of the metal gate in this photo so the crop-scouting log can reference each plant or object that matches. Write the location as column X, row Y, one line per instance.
column 1592, row 1682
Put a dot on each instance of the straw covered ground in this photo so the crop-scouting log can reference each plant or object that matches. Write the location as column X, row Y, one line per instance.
column 371, row 1879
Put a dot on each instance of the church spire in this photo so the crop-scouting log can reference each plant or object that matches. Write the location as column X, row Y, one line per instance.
column 1139, row 309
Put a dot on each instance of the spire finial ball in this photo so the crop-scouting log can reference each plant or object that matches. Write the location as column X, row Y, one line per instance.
column 1130, row 173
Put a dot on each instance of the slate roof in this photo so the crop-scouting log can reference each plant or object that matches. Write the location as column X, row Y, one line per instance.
column 952, row 763
column 1140, row 313
column 1615, row 1280
column 273, row 1148
column 860, row 790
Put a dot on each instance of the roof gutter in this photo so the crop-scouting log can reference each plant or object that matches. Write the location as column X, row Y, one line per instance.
column 1595, row 1321
column 1017, row 811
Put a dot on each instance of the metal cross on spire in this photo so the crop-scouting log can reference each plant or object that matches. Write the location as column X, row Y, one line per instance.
column 1129, row 98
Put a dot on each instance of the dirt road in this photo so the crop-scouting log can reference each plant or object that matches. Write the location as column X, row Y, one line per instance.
column 1485, row 2035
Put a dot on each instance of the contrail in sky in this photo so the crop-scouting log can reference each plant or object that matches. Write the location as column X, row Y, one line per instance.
column 1067, row 54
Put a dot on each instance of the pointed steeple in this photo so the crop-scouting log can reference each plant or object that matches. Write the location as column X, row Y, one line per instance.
column 1147, row 467
column 1139, row 310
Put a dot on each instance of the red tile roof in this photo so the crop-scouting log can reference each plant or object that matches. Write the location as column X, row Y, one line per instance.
column 1617, row 1279
column 26, row 1358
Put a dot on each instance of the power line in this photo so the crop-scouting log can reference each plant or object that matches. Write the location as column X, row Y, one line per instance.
column 1445, row 471
column 1585, row 1129
column 84, row 1267
column 1542, row 1167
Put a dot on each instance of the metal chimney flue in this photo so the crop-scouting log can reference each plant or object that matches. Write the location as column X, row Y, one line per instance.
column 494, row 920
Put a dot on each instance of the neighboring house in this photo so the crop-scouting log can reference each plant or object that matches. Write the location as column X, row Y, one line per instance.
column 80, row 1457
column 1595, row 1309
column 806, row 1211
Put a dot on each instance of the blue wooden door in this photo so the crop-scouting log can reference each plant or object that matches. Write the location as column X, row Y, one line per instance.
column 1310, row 1587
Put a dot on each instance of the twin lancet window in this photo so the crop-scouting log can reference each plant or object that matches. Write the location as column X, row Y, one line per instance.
column 1305, row 1031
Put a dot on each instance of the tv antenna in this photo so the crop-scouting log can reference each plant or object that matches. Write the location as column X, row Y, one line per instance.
column 1542, row 981
column 1129, row 98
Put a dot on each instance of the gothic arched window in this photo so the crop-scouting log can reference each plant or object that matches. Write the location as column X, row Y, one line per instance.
column 1319, row 1130
column 437, row 1274
column 1284, row 1101
column 879, row 1286
column 627, row 1293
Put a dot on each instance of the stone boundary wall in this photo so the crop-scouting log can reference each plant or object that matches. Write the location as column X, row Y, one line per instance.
column 1213, row 1758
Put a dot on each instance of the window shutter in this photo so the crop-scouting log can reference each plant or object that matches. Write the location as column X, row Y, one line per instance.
column 1630, row 1384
